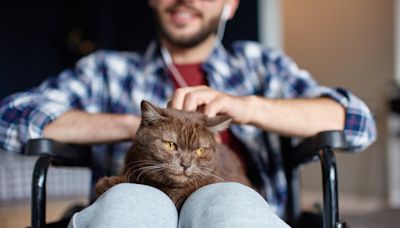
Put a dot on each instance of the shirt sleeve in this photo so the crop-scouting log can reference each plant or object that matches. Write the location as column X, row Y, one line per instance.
column 24, row 115
column 287, row 80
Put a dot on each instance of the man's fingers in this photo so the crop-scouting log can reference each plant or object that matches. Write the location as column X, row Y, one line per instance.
column 209, row 101
column 196, row 98
column 216, row 106
column 178, row 98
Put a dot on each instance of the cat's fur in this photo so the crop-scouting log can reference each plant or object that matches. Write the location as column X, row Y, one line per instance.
column 149, row 161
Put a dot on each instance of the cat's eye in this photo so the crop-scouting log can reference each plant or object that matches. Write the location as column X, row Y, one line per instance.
column 170, row 146
column 200, row 152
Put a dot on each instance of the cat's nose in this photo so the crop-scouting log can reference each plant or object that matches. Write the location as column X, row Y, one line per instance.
column 185, row 165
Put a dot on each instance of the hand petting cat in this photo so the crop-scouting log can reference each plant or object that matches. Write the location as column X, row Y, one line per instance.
column 300, row 117
column 212, row 102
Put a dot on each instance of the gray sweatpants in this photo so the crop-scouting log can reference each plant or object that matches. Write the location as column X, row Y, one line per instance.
column 213, row 206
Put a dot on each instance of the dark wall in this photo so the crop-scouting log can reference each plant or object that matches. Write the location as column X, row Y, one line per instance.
column 37, row 42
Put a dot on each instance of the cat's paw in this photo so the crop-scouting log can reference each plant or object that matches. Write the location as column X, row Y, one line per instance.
column 107, row 182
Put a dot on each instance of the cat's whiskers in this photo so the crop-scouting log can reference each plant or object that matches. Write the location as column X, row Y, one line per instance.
column 165, row 178
column 139, row 164
column 195, row 182
column 170, row 168
column 142, row 162
column 145, row 171
column 208, row 173
column 143, row 167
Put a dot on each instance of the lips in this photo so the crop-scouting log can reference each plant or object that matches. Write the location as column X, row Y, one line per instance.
column 183, row 16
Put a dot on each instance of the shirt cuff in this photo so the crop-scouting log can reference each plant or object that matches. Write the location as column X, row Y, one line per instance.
column 360, row 127
column 41, row 116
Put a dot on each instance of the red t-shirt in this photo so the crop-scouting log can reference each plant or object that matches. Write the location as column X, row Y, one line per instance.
column 194, row 75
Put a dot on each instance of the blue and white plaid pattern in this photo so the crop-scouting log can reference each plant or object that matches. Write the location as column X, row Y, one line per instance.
column 116, row 82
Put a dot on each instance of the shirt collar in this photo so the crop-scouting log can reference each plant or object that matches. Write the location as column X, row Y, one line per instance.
column 217, row 61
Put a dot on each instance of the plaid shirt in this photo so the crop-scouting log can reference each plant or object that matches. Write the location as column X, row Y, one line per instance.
column 116, row 82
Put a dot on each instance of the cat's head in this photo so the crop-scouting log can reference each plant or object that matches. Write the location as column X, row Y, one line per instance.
column 182, row 143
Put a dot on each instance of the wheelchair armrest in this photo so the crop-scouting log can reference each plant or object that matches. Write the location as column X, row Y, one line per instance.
column 318, row 147
column 308, row 150
column 61, row 154
column 54, row 153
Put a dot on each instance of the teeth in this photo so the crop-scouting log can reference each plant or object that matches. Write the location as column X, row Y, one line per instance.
column 184, row 15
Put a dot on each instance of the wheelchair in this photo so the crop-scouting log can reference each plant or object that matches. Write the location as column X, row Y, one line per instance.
column 318, row 147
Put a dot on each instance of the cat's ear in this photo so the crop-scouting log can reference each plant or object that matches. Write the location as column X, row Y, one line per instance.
column 218, row 123
column 150, row 112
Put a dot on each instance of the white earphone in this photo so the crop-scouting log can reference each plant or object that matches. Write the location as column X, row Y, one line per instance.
column 226, row 12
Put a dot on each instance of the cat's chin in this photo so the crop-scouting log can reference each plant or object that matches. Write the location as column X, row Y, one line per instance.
column 179, row 179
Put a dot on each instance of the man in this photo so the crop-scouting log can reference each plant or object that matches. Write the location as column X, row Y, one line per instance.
column 261, row 89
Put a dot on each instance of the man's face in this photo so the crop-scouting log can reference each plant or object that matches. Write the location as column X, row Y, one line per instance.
column 186, row 23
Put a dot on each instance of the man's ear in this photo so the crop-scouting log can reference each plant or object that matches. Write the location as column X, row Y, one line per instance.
column 232, row 5
column 150, row 112
column 218, row 123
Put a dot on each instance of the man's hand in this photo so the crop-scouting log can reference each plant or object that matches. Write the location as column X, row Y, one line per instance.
column 292, row 117
column 212, row 102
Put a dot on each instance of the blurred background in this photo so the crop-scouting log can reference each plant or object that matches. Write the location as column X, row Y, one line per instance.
column 350, row 44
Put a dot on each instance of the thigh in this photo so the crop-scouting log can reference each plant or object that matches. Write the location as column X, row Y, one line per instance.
column 129, row 205
column 224, row 205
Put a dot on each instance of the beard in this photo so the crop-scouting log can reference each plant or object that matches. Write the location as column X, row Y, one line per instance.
column 187, row 41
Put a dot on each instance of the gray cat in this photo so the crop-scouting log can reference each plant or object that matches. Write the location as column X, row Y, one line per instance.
column 176, row 152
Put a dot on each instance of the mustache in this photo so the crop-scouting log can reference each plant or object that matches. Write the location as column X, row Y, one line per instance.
column 184, row 5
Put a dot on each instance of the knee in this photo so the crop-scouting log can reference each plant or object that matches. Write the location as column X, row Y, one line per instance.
column 131, row 188
column 227, row 205
column 126, row 189
column 228, row 191
column 220, row 196
column 139, row 194
column 130, row 205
